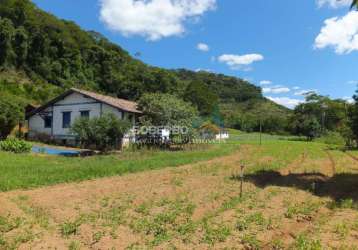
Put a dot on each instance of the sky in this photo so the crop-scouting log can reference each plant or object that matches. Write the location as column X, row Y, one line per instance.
column 286, row 47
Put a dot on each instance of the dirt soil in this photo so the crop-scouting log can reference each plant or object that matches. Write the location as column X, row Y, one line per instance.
column 196, row 206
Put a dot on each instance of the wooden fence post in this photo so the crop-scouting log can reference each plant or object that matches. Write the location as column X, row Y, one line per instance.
column 242, row 167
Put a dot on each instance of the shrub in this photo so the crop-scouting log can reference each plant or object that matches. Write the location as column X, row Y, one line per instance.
column 42, row 137
column 333, row 139
column 102, row 133
column 15, row 145
column 11, row 114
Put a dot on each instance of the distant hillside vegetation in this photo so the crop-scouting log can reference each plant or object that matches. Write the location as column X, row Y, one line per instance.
column 41, row 55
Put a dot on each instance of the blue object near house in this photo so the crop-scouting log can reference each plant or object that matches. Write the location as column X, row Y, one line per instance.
column 55, row 151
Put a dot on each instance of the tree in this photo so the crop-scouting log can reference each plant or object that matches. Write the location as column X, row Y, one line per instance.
column 6, row 35
column 200, row 95
column 166, row 110
column 310, row 127
column 20, row 46
column 103, row 133
column 11, row 114
column 329, row 113
column 353, row 116
column 306, row 125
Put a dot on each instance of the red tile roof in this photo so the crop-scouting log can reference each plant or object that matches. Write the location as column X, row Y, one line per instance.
column 122, row 104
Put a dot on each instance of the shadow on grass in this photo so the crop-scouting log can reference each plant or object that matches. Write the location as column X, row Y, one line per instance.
column 301, row 139
column 339, row 187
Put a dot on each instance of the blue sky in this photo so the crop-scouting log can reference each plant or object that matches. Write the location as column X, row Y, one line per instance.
column 286, row 47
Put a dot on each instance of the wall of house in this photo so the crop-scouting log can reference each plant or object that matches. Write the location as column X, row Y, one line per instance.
column 37, row 124
column 74, row 103
column 109, row 109
column 121, row 114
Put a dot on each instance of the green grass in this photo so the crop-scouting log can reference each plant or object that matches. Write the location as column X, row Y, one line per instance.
column 303, row 242
column 25, row 171
column 69, row 228
column 276, row 154
column 237, row 135
column 174, row 220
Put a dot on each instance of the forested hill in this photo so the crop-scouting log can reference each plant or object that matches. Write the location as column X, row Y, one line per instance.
column 41, row 55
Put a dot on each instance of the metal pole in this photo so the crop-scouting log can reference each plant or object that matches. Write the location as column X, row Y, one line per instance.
column 260, row 131
column 324, row 106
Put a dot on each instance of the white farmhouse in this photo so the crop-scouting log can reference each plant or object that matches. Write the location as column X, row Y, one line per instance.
column 55, row 118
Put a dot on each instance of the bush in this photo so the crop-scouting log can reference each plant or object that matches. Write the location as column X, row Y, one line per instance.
column 11, row 114
column 101, row 133
column 42, row 137
column 333, row 139
column 15, row 145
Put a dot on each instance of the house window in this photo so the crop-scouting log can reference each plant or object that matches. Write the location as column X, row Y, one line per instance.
column 48, row 121
column 66, row 119
column 85, row 114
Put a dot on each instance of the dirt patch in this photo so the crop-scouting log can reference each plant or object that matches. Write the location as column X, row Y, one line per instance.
column 196, row 206
column 295, row 165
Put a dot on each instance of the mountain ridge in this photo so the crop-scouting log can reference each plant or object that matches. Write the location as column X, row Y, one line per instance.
column 41, row 55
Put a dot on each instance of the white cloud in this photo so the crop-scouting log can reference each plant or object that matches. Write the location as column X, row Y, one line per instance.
column 204, row 70
column 248, row 79
column 348, row 99
column 304, row 92
column 353, row 82
column 265, row 82
column 334, row 3
column 276, row 90
column 339, row 33
column 296, row 88
column 285, row 101
column 203, row 47
column 240, row 61
column 152, row 19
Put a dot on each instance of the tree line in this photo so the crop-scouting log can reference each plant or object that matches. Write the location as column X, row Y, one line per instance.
column 320, row 115
column 58, row 52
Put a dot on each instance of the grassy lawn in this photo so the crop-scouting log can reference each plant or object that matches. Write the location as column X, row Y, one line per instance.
column 274, row 155
column 28, row 171
column 253, row 138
